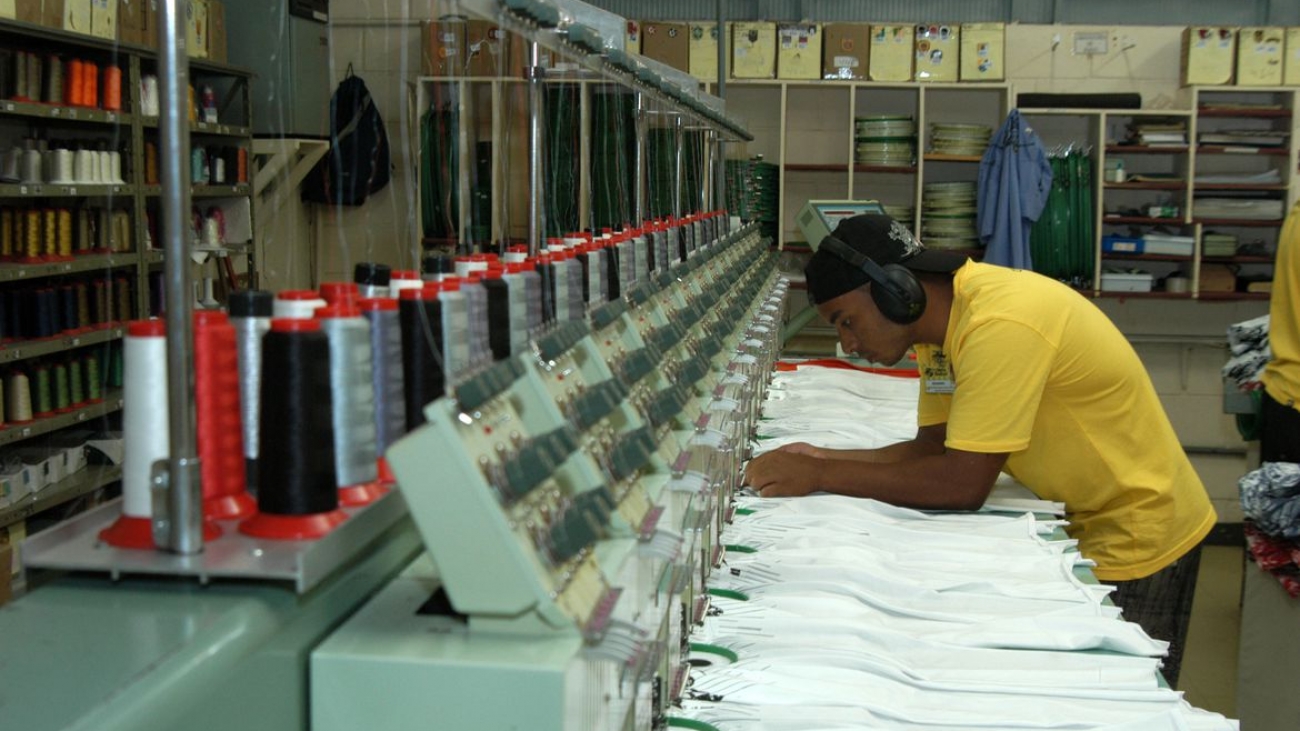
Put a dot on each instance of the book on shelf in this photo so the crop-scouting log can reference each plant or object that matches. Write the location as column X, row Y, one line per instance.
column 1242, row 209
column 1159, row 134
column 1244, row 137
column 1217, row 244
column 1268, row 177
column 1154, row 178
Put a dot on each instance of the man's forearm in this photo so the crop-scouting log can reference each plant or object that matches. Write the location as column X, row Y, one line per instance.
column 911, row 449
column 931, row 481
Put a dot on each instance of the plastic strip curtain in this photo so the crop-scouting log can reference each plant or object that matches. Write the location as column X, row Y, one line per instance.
column 692, row 163
column 561, row 158
column 663, row 172
column 439, row 165
column 1062, row 240
column 613, row 150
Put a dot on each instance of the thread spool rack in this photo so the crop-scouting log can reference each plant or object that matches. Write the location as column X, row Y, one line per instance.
column 617, row 455
column 115, row 243
column 74, row 545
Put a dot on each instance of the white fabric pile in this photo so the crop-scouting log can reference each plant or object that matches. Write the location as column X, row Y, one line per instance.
column 845, row 613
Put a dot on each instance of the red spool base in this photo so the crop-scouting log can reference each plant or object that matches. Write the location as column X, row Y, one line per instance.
column 229, row 507
column 132, row 532
column 292, row 527
column 386, row 476
column 363, row 494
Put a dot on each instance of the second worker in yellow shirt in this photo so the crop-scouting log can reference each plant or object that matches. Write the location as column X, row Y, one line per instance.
column 1018, row 373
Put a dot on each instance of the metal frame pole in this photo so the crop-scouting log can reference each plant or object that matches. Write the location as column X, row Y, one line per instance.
column 639, row 186
column 706, row 167
column 719, row 163
column 178, row 522
column 535, row 75
column 679, row 170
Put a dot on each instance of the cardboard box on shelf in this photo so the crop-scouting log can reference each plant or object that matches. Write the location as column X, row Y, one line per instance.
column 633, row 40
column 196, row 24
column 892, row 52
column 216, row 31
column 753, row 50
column 983, row 47
column 443, row 47
column 18, row 481
column 937, row 50
column 150, row 23
column 130, row 21
column 1259, row 56
column 845, row 48
column 70, row 15
column 1217, row 278
column 11, row 539
column 47, row 463
column 103, row 19
column 667, row 43
column 704, row 50
column 1291, row 64
column 29, row 11
column 799, row 51
column 1209, row 53
column 492, row 50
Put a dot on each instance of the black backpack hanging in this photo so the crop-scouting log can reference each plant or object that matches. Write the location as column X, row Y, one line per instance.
column 357, row 163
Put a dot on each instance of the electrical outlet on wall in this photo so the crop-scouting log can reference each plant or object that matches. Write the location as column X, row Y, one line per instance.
column 1091, row 43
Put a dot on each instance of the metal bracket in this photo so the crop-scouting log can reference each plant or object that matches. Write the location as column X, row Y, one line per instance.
column 169, row 528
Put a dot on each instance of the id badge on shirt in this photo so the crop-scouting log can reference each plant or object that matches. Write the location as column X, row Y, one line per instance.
column 936, row 375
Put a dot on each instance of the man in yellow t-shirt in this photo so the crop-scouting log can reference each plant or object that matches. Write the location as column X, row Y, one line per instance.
column 1021, row 373
column 1279, row 435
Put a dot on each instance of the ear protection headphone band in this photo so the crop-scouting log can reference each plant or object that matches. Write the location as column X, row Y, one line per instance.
column 869, row 267
column 896, row 290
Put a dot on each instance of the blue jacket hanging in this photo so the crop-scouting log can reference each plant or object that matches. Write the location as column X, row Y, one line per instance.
column 1014, row 182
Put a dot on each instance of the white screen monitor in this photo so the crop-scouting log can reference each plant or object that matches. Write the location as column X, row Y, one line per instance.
column 818, row 218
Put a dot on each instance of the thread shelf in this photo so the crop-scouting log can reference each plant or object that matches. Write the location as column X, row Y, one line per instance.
column 25, row 349
column 13, row 272
column 74, row 124
column 69, row 488
column 13, row 433
column 55, row 113
column 59, row 190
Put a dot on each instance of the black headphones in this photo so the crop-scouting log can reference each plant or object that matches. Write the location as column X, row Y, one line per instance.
column 897, row 291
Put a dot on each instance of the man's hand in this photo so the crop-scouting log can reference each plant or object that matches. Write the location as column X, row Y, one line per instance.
column 803, row 448
column 782, row 474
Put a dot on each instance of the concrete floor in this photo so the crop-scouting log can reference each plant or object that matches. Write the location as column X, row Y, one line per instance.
column 1209, row 675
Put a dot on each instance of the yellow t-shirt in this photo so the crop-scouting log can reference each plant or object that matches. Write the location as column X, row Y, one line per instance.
column 1282, row 374
column 1039, row 372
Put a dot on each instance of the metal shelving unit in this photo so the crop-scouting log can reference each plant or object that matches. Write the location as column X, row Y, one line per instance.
column 111, row 403
column 1220, row 105
column 25, row 349
column 131, row 131
column 815, row 120
column 86, row 481
column 13, row 272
